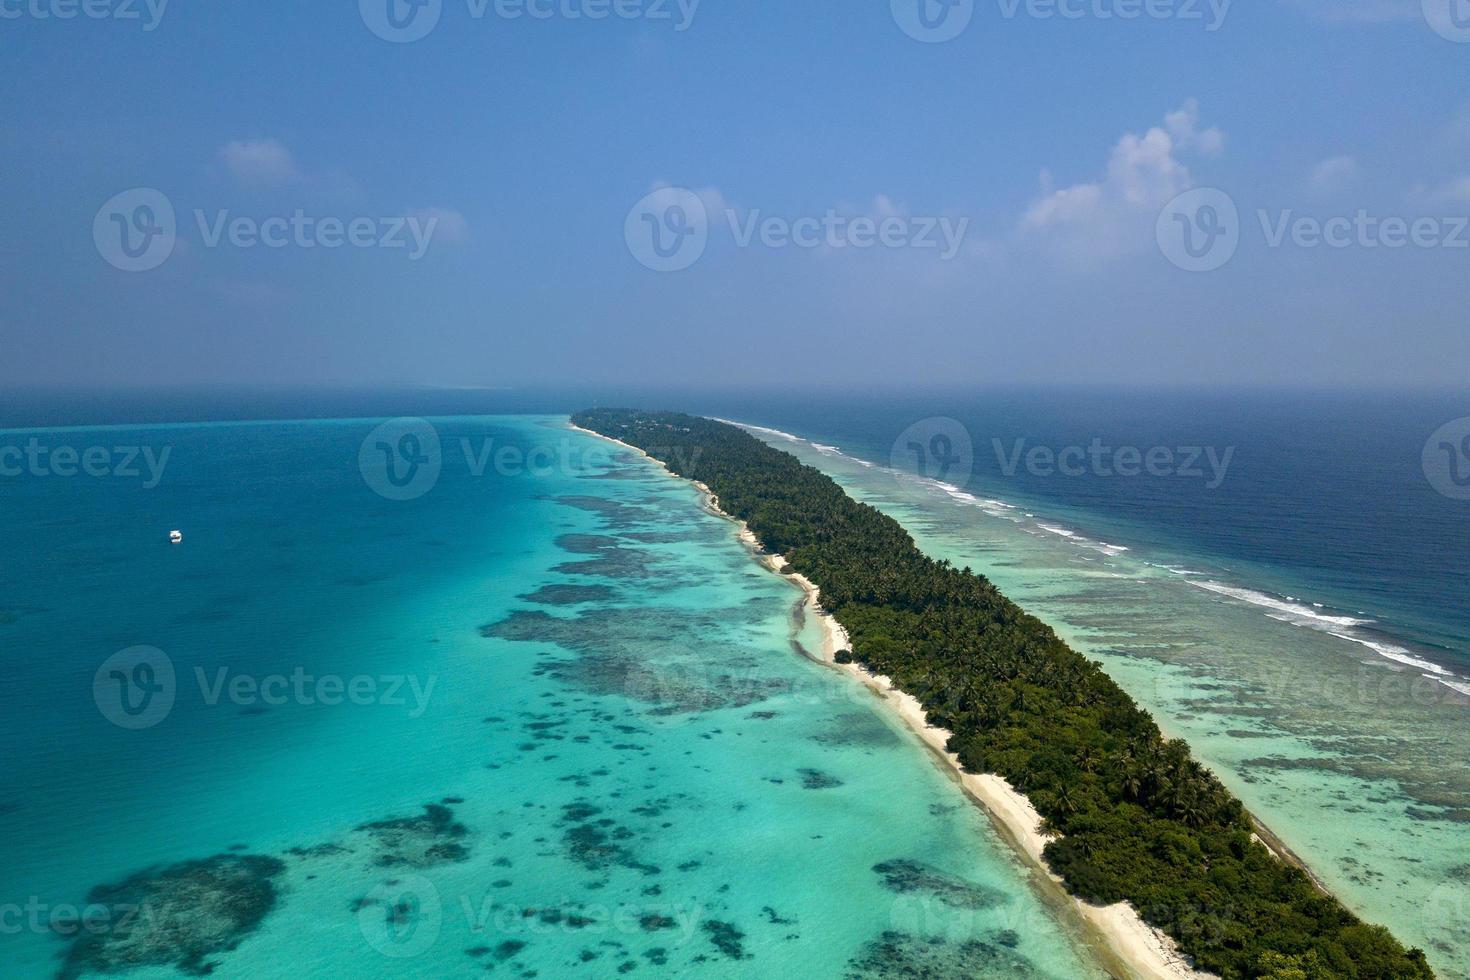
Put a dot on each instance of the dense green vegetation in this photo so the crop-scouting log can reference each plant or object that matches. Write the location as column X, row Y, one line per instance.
column 1139, row 820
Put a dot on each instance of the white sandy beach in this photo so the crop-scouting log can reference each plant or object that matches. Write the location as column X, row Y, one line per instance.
column 1146, row 952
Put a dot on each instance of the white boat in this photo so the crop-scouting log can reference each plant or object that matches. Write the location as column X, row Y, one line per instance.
column 176, row 537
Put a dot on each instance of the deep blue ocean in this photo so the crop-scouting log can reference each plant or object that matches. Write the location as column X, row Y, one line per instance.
column 1325, row 492
column 1325, row 496
column 1310, row 541
column 1295, row 604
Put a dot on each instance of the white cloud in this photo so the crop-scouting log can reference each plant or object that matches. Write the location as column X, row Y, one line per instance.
column 1333, row 176
column 1183, row 126
column 1144, row 173
column 449, row 225
column 1065, row 205
column 1456, row 191
column 880, row 207
column 883, row 207
column 260, row 163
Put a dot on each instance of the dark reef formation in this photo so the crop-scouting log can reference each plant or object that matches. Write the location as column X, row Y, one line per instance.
column 902, row 956
column 817, row 779
column 612, row 647
column 179, row 916
column 187, row 915
column 570, row 595
column 726, row 937
column 907, row 877
column 434, row 837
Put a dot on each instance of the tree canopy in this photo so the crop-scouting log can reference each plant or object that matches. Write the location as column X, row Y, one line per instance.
column 1136, row 818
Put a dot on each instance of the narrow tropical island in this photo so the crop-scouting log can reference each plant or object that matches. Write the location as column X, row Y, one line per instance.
column 1131, row 816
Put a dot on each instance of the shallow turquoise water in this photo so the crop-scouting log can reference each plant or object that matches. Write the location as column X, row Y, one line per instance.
column 632, row 767
column 1356, row 761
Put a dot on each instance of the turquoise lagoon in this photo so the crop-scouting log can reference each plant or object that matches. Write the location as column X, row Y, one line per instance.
column 1357, row 761
column 535, row 720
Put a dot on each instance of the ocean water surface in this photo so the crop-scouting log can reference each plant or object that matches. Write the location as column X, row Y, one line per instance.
column 1305, row 624
column 533, row 714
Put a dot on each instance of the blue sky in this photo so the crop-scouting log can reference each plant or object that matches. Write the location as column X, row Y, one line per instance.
column 1055, row 144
